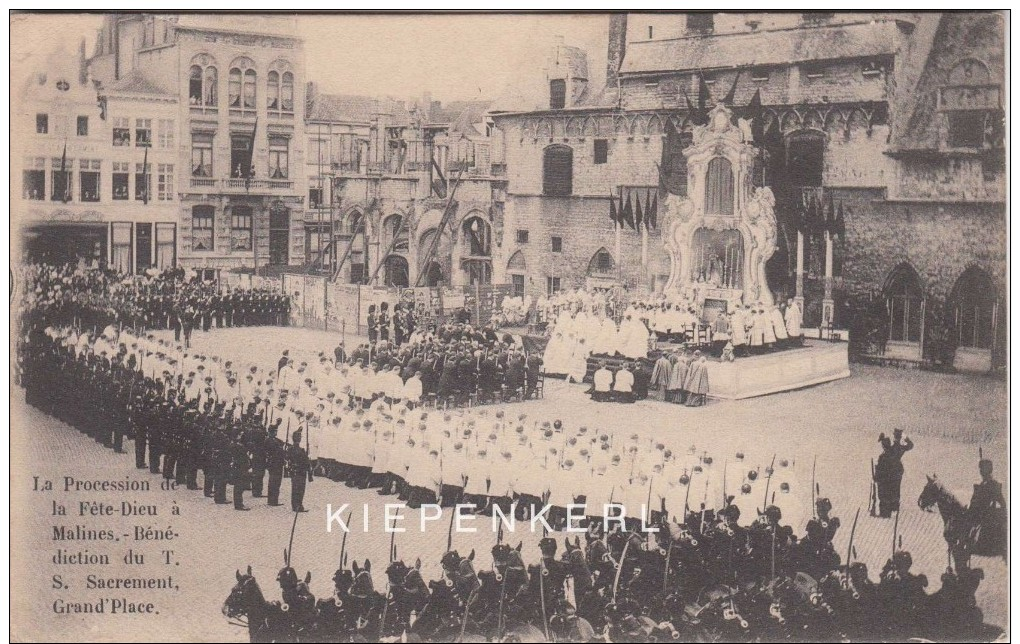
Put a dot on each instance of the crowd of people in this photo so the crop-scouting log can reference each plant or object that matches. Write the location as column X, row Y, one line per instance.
column 174, row 299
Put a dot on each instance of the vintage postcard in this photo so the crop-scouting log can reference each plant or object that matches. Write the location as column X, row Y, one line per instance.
column 340, row 327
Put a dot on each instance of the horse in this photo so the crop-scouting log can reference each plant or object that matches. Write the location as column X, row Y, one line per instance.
column 958, row 530
column 264, row 618
column 334, row 616
column 408, row 596
column 366, row 604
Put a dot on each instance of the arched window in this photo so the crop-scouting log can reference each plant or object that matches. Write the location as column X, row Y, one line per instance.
column 287, row 92
column 558, row 171
column 234, row 87
column 516, row 268
column 396, row 271
column 517, row 263
column 719, row 187
column 209, row 87
column 395, row 232
column 477, row 237
column 202, row 81
column 353, row 223
column 904, row 301
column 273, row 90
column 249, row 89
column 974, row 301
column 601, row 263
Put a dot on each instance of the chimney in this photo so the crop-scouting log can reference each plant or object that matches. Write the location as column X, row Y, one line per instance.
column 617, row 47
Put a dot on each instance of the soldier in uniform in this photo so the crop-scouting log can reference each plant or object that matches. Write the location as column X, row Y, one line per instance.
column 240, row 471
column 889, row 471
column 372, row 323
column 276, row 458
column 300, row 474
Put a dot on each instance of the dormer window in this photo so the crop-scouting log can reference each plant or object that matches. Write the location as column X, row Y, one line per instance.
column 813, row 70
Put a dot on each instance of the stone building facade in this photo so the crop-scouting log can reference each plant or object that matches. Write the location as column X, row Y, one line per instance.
column 236, row 82
column 379, row 173
column 879, row 134
column 93, row 178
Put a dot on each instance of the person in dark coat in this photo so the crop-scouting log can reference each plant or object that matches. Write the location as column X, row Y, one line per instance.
column 300, row 474
column 240, row 473
column 889, row 471
column 372, row 322
column 987, row 511
column 276, row 458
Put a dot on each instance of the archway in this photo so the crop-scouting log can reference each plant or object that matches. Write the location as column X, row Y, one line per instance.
column 476, row 250
column 396, row 272
column 974, row 305
column 904, row 301
column 437, row 267
column 601, row 264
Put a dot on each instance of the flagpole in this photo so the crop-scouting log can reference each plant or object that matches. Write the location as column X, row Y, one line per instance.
column 619, row 257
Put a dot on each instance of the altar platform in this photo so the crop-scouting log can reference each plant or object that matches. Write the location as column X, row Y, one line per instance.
column 816, row 362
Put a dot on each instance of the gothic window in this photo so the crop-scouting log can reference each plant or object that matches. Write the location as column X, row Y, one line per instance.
column 903, row 296
column 974, row 305
column 557, row 94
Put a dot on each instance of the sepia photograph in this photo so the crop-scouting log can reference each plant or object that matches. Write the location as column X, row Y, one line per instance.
column 509, row 326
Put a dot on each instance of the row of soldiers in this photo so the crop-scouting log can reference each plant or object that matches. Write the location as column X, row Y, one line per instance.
column 101, row 390
column 65, row 296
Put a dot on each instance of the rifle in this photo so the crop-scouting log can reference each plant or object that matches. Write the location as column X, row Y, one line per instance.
column 873, row 501
column 814, row 489
column 772, row 471
column 850, row 547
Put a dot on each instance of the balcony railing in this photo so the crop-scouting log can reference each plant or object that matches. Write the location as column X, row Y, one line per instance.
column 242, row 185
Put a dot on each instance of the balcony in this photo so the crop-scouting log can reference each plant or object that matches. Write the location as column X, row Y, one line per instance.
column 232, row 185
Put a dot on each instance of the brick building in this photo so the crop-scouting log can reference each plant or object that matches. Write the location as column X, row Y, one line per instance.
column 376, row 198
column 879, row 134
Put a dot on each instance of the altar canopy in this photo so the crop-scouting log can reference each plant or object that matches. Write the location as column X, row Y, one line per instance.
column 721, row 234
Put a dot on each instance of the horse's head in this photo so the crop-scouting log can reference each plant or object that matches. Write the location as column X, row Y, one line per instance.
column 930, row 494
column 244, row 596
column 573, row 554
column 362, row 586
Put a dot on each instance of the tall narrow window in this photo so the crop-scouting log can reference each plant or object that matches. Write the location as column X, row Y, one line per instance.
column 278, row 157
column 974, row 301
column 165, row 182
column 202, row 227
column 557, row 94
column 558, row 171
column 143, row 133
column 195, row 85
column 143, row 181
column 601, row 151
column 719, row 187
column 34, row 179
column 209, row 87
column 42, row 123
column 120, row 180
column 83, row 126
column 249, row 89
column 903, row 298
column 201, row 155
column 241, row 228
column 166, row 243
column 63, row 180
column 121, row 131
column 89, row 170
column 165, row 134
column 234, row 87
column 287, row 92
column 121, row 251
column 273, row 90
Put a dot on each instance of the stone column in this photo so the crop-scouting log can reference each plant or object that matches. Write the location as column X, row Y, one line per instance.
column 827, row 303
column 799, row 295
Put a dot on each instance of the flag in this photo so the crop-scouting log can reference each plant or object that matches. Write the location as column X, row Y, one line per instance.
column 627, row 216
column 731, row 95
column 701, row 115
column 754, row 113
column 249, row 172
column 652, row 214
column 438, row 180
column 612, row 211
column 145, row 177
column 63, row 174
column 638, row 214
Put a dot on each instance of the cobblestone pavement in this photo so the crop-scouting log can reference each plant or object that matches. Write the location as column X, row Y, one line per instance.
column 948, row 417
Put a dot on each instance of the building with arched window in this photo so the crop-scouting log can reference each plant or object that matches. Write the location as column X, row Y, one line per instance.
column 879, row 135
column 238, row 132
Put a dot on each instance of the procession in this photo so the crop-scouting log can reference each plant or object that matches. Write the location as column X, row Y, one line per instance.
column 621, row 327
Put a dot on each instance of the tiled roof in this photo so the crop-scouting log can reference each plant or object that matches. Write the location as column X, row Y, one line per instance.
column 342, row 108
column 137, row 82
column 763, row 48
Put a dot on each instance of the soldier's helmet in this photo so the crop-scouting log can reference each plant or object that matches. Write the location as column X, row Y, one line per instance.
column 772, row 513
column 823, row 505
column 985, row 467
column 784, row 487
column 745, row 488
